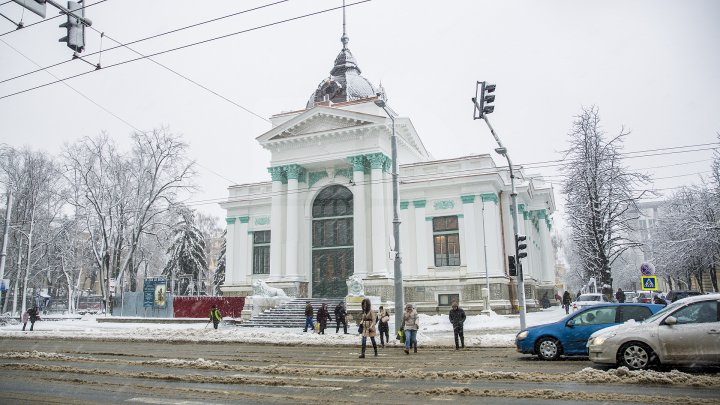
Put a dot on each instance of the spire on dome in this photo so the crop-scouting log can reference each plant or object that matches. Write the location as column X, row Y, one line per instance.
column 344, row 39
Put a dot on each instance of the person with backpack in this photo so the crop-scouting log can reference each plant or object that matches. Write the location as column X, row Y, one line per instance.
column 567, row 301
column 215, row 316
column 340, row 317
column 457, row 319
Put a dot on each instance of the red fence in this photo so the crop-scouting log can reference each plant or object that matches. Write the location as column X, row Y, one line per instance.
column 199, row 307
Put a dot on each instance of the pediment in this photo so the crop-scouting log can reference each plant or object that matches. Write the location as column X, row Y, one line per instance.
column 319, row 120
column 317, row 124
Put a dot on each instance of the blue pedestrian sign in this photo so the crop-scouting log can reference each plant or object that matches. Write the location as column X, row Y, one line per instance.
column 648, row 282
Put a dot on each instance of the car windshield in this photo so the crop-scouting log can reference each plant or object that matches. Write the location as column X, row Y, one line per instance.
column 589, row 298
column 663, row 311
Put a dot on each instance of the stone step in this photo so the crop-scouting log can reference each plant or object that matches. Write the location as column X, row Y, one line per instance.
column 290, row 314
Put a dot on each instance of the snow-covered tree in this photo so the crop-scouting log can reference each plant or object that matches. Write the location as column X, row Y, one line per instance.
column 187, row 265
column 600, row 196
column 219, row 277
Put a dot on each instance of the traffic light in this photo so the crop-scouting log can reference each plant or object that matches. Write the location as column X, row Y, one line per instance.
column 75, row 28
column 486, row 98
column 36, row 6
column 511, row 266
column 520, row 247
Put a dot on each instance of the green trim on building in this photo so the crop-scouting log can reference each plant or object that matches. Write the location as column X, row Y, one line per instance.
column 314, row 177
column 404, row 205
column 345, row 172
column 444, row 204
column 230, row 221
column 467, row 199
column 419, row 203
column 250, row 232
column 378, row 161
column 293, row 171
column 358, row 163
column 489, row 197
column 428, row 218
column 244, row 220
column 461, row 215
column 262, row 220
column 276, row 173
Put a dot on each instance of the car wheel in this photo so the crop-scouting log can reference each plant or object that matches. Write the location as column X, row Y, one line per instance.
column 548, row 348
column 635, row 356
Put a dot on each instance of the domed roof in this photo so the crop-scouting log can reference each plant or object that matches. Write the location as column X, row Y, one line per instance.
column 345, row 82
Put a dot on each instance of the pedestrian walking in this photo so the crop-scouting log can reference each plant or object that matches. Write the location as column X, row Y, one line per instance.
column 566, row 300
column 545, row 301
column 215, row 316
column 309, row 318
column 340, row 317
column 25, row 317
column 383, row 319
column 368, row 326
column 410, row 327
column 33, row 316
column 620, row 296
column 323, row 316
column 457, row 319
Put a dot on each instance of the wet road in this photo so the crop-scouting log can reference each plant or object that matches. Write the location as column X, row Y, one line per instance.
column 76, row 371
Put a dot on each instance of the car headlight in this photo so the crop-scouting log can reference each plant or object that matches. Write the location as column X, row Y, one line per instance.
column 522, row 335
column 599, row 340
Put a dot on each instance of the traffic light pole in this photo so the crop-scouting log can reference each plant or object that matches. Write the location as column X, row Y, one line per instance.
column 514, row 211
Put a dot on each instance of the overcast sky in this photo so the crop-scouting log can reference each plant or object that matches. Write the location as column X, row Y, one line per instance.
column 652, row 67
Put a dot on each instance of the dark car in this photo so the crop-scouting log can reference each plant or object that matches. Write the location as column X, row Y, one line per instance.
column 569, row 335
column 678, row 295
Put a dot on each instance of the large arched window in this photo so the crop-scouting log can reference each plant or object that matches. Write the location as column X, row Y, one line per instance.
column 332, row 242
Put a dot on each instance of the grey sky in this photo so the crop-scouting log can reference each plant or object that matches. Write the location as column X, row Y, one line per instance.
column 651, row 66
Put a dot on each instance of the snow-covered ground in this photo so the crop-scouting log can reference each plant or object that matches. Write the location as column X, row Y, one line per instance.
column 480, row 331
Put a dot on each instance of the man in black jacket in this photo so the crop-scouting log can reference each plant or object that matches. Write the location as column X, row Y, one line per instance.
column 620, row 296
column 340, row 317
column 457, row 318
column 34, row 316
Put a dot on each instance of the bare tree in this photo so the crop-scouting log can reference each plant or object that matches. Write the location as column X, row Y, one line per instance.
column 121, row 195
column 600, row 196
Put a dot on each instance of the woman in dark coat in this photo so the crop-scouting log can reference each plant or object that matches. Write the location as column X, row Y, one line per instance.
column 323, row 316
column 382, row 319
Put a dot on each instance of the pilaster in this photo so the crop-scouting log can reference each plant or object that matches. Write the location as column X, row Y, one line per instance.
column 360, row 257
column 470, row 225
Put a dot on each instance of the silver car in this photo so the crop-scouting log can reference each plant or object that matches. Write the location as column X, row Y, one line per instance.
column 686, row 332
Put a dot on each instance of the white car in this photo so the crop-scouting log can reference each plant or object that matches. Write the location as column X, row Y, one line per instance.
column 586, row 300
column 686, row 332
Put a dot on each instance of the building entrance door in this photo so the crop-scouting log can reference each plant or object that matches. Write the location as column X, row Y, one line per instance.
column 332, row 242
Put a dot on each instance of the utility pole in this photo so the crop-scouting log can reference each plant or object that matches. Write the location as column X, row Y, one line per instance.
column 3, row 253
column 482, row 108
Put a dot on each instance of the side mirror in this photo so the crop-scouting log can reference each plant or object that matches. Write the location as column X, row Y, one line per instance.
column 570, row 323
column 670, row 320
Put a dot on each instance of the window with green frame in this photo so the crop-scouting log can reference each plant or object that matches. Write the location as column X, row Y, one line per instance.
column 446, row 239
column 261, row 252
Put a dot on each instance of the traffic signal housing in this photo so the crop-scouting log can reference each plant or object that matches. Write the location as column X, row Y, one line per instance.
column 486, row 98
column 75, row 37
column 511, row 266
column 520, row 246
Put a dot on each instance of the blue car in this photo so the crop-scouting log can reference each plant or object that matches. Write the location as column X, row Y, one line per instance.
column 568, row 336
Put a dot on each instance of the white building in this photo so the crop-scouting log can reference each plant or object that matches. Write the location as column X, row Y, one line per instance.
column 327, row 212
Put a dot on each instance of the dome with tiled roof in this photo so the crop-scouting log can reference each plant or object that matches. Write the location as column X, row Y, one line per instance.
column 345, row 82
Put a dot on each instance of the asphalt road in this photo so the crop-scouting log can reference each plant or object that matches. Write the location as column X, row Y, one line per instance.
column 76, row 371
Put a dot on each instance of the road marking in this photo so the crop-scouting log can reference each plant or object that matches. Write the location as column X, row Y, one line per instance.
column 334, row 366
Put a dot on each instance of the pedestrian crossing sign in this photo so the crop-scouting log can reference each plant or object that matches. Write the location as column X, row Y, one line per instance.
column 648, row 282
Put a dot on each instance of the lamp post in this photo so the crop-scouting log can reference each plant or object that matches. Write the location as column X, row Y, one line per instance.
column 501, row 150
column 396, row 219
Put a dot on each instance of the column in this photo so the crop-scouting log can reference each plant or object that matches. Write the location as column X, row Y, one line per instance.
column 276, row 228
column 377, row 209
column 493, row 234
column 471, row 248
column 421, row 239
column 291, row 248
column 360, row 259
column 230, row 267
column 548, row 274
column 241, row 239
column 409, row 261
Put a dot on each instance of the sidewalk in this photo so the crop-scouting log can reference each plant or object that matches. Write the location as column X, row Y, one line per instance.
column 435, row 331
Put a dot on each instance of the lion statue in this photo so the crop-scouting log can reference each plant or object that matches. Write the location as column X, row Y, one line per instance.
column 260, row 288
column 355, row 285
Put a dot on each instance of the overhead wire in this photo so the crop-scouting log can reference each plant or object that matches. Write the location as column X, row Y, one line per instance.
column 49, row 18
column 186, row 46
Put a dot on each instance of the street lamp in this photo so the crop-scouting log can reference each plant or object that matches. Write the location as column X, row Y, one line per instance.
column 396, row 219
